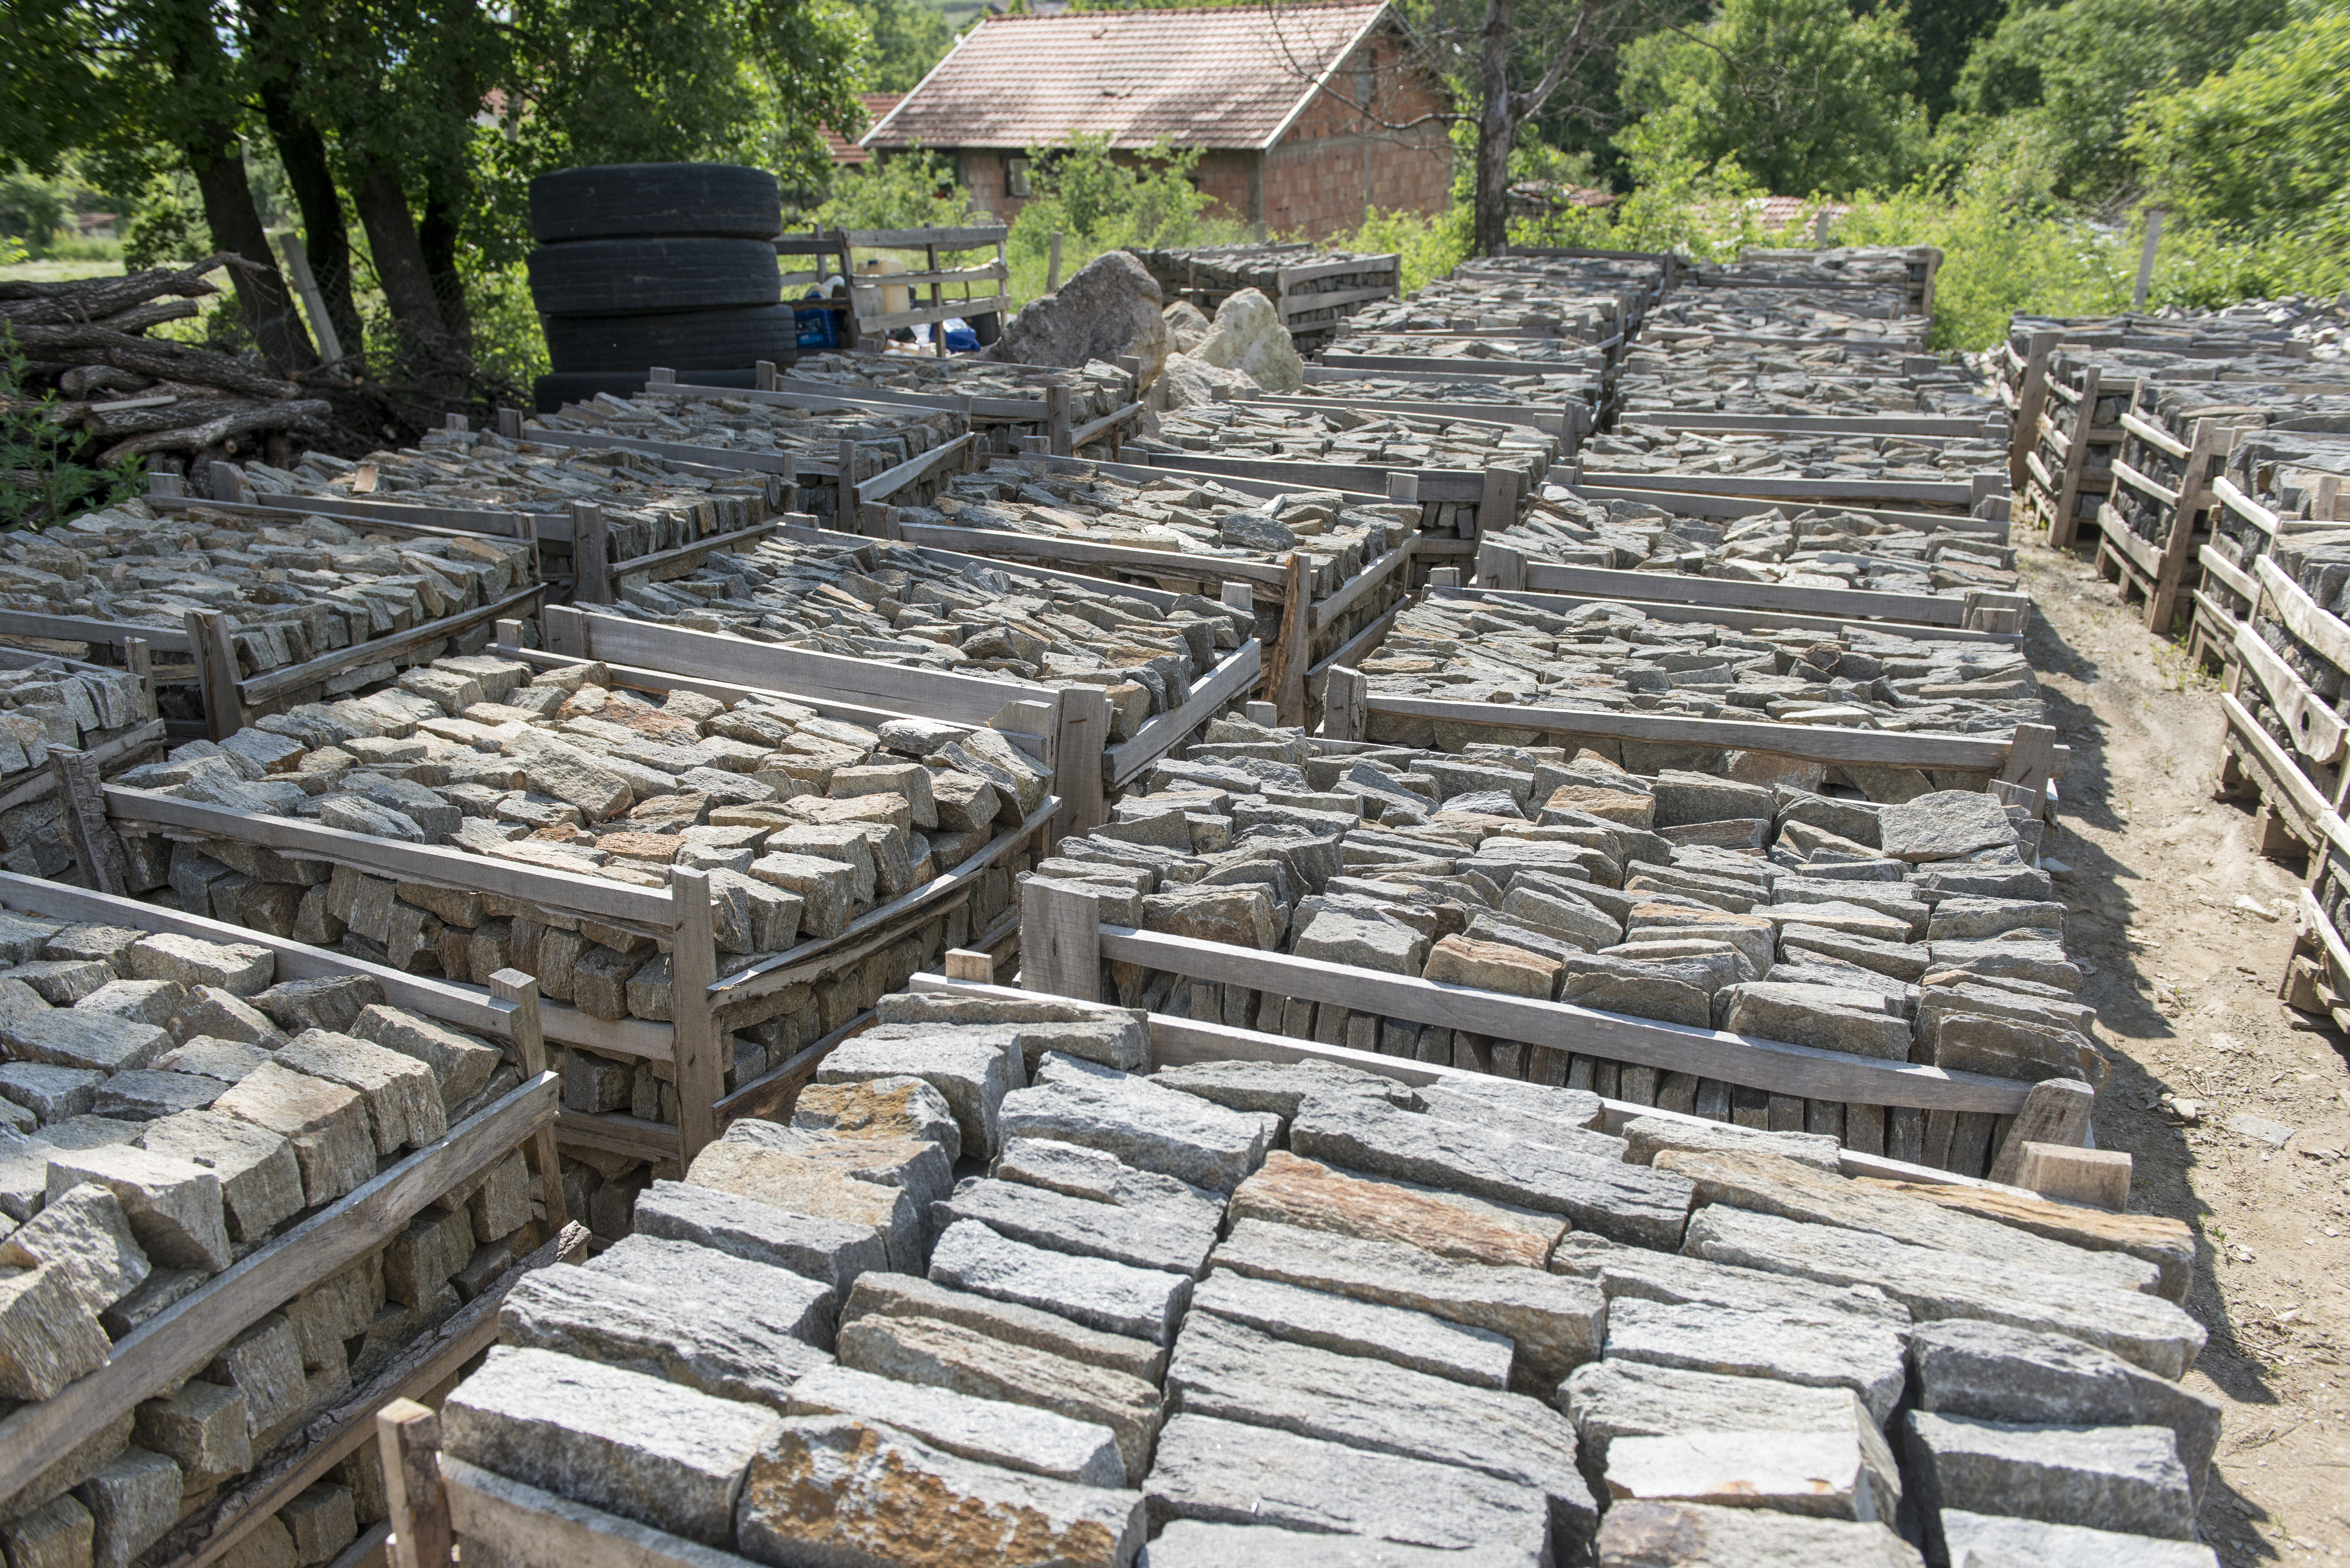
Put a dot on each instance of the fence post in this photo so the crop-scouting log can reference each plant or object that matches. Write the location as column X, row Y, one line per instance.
column 591, row 567
column 93, row 843
column 1342, row 705
column 2145, row 257
column 408, row 1436
column 530, row 1043
column 692, row 966
column 215, row 656
column 1060, row 940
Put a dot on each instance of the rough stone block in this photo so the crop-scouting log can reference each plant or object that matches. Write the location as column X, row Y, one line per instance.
column 403, row 1102
column 260, row 1177
column 209, row 1010
column 326, row 1123
column 264, row 1364
column 1824, row 1474
column 174, row 1204
column 204, row 1428
column 71, row 1037
column 460, row 1063
column 1145, row 1126
column 324, row 1002
column 322, row 1522
column 1675, row 1279
column 1090, row 1173
column 1141, row 1303
column 151, row 1092
column 731, row 1287
column 84, row 1234
column 49, row 1333
column 1985, row 1541
column 2127, row 1480
column 900, row 1107
column 1827, row 1351
column 1146, row 1239
column 1188, row 1544
column 989, row 1431
column 833, row 1252
column 1306, row 1194
column 800, row 1185
column 1611, row 1400
column 155, row 1002
column 909, row 1295
column 1415, row 1340
column 1693, row 1535
column 57, row 1535
column 656, row 1452
column 971, row 1078
column 63, row 983
column 52, row 1094
column 419, row 1260
column 1647, row 1137
column 835, row 1489
column 242, row 969
column 131, row 1502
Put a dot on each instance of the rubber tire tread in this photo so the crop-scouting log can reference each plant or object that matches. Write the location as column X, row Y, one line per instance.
column 640, row 278
column 549, row 393
column 647, row 201
column 604, row 344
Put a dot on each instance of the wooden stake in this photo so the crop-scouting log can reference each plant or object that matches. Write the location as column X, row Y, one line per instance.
column 1342, row 705
column 95, row 848
column 700, row 1048
column 215, row 656
column 409, row 1436
column 530, row 1043
column 1060, row 941
column 591, row 566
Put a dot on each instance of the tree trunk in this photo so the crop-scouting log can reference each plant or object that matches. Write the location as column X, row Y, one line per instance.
column 303, row 150
column 218, row 164
column 400, row 267
column 437, row 237
column 1496, row 129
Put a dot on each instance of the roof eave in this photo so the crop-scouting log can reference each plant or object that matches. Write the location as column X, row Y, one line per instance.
column 904, row 99
column 1289, row 120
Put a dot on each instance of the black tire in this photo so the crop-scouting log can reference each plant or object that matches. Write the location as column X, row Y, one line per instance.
column 987, row 328
column 549, row 393
column 632, row 201
column 642, row 278
column 609, row 343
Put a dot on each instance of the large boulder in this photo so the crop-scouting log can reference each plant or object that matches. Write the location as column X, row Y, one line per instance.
column 1249, row 337
column 1187, row 324
column 1187, row 381
column 1111, row 307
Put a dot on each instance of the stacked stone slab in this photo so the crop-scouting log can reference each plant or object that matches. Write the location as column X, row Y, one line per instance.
column 1911, row 931
column 1701, row 375
column 1794, row 454
column 1095, row 388
column 805, row 823
column 737, row 424
column 887, row 603
column 1793, row 544
column 297, row 589
column 1291, row 434
column 649, row 504
column 1283, row 1315
column 1613, row 656
column 171, row 1108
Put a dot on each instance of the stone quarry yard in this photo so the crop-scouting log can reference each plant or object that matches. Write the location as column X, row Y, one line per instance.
column 2188, row 927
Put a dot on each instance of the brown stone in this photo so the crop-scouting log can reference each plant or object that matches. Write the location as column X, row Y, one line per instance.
column 2165, row 1242
column 1308, row 1194
column 1491, row 966
column 655, row 849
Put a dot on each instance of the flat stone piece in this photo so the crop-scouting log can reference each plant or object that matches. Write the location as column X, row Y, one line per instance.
column 57, row 1535
column 1476, row 1357
column 1235, row 1373
column 833, row 1252
column 52, row 1094
column 799, row 1185
column 632, row 1445
column 971, row 1077
column 2004, row 1542
column 224, row 1015
column 989, row 1431
column 1276, row 1086
column 2168, row 1244
column 1627, row 1202
column 919, row 1170
column 460, row 1063
column 84, row 1234
column 49, row 1332
column 403, row 1102
column 910, row 1295
column 203, row 1427
column 1144, row 1238
column 899, row 1107
column 731, row 1287
column 1228, row 1473
column 326, row 1123
column 1674, row 1278
column 601, row 1316
column 148, row 1094
column 1611, row 1400
column 1555, row 1323
column 1934, row 1284
column 1824, row 1474
column 2124, row 1479
column 155, row 1002
column 1944, row 825
column 174, row 1204
column 1788, row 1346
column 326, row 1001
column 838, row 1490
column 1647, row 1137
column 1693, row 1535
column 1310, row 1196
column 206, row 1056
column 1143, row 1124
column 242, row 969
column 74, row 1037
column 1188, row 1544
column 1767, row 1184
column 1090, row 1173
column 131, row 1502
column 1993, row 1372
column 1142, row 1304
column 941, row 1354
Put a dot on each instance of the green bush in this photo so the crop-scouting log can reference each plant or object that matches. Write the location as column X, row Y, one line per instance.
column 41, row 479
column 1098, row 202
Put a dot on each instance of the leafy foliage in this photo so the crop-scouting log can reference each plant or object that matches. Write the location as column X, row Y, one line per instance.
column 1098, row 201
column 40, row 478
column 1804, row 94
column 906, row 39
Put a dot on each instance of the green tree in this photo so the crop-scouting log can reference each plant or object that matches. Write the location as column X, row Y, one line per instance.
column 1947, row 32
column 906, row 39
column 2051, row 89
column 1803, row 94
column 2263, row 147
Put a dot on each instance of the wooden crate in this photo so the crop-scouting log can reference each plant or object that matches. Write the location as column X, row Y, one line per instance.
column 161, row 1354
column 2303, row 775
column 1008, row 423
column 866, row 288
column 2161, row 567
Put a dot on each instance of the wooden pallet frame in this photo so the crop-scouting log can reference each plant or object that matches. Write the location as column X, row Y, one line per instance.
column 1914, row 495
column 1702, row 504
column 178, row 1341
column 2159, row 573
column 1064, row 940
column 2065, row 491
column 865, row 296
column 1940, row 425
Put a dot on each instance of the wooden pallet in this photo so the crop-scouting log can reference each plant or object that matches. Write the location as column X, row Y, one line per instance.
column 164, row 1352
column 2158, row 570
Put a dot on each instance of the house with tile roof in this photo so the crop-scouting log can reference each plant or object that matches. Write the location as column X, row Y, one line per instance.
column 1305, row 115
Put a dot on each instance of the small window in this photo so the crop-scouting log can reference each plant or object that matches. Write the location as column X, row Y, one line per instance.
column 1015, row 176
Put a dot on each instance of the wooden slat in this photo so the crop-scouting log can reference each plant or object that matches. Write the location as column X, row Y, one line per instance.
column 700, row 550
column 1397, row 560
column 1491, row 416
column 1700, row 504
column 80, row 629
column 522, row 1526
column 1025, row 547
column 1598, row 582
column 796, row 392
column 988, row 272
column 890, row 481
column 1225, row 683
column 2302, row 615
column 1296, row 304
column 1826, row 424
column 963, row 239
column 1718, row 615
column 1821, row 490
column 2227, row 572
column 2317, row 730
column 947, row 311
column 617, row 1134
column 256, row 689
column 138, row 808
column 2153, row 435
column 43, row 784
column 1094, row 430
column 1733, row 1058
column 2125, row 474
column 432, row 521
column 1453, row 486
column 184, row 1335
column 2300, row 794
column 682, row 451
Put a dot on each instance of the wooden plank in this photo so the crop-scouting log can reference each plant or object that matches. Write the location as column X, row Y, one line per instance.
column 270, row 684
column 930, row 693
column 946, row 311
column 786, row 463
column 1702, row 504
column 1810, row 743
column 2328, row 638
column 1025, row 547
column 1285, row 667
column 2301, row 796
column 181, row 1338
column 2115, row 538
column 1489, row 415
column 2237, row 579
column 1093, row 430
column 137, row 809
column 1824, row 490
column 1851, row 604
column 960, row 239
column 2155, row 436
column 890, row 481
column 215, row 657
column 1060, row 940
column 96, row 849
column 427, row 520
column 520, row 992
column 2055, row 1111
column 1825, row 424
column 1715, row 615
column 519, row 1524
column 80, row 629
column 2125, row 474
column 1295, row 306
column 617, row 1134
column 798, row 392
column 701, row 1049
column 1396, row 560
column 2317, row 730
column 700, row 550
column 1236, row 675
column 1143, row 473
column 1453, row 486
column 1775, row 1065
column 408, row 1436
column 2243, row 505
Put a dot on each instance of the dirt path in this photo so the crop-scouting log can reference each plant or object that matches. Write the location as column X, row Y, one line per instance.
column 2188, row 929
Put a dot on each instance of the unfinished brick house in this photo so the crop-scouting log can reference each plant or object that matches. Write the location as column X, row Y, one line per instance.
column 1274, row 95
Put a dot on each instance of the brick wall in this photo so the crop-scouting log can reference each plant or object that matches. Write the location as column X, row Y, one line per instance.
column 1354, row 147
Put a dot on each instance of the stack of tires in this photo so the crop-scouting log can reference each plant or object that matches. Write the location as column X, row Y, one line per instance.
column 640, row 264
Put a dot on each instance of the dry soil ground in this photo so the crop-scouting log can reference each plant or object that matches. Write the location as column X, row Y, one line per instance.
column 2184, row 929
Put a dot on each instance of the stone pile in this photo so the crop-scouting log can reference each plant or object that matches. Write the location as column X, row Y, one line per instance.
column 2288, row 336
column 170, row 1107
column 52, row 703
column 1702, row 376
column 1576, row 392
column 889, row 604
column 1203, row 277
column 1795, row 314
column 1252, row 1314
column 296, row 589
column 1537, row 353
column 1790, row 454
column 1916, row 932
column 882, row 443
column 1096, row 389
column 1903, row 272
column 650, row 503
column 1472, row 304
column 1797, row 546
column 1607, row 655
column 1340, row 434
